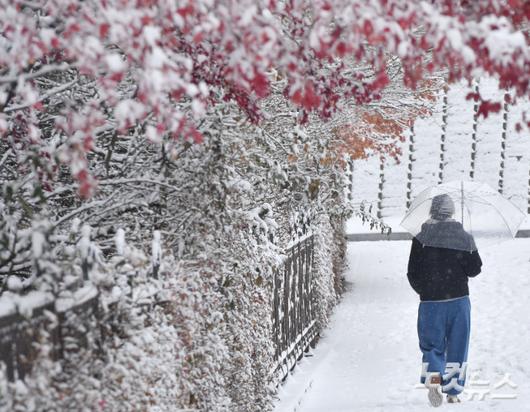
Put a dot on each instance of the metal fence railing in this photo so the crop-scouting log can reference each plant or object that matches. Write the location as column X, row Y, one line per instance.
column 292, row 313
column 293, row 318
column 29, row 317
column 63, row 325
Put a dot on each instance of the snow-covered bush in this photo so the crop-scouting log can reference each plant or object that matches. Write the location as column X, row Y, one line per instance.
column 223, row 212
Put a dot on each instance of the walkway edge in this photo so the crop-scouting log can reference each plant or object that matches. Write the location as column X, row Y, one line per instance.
column 368, row 237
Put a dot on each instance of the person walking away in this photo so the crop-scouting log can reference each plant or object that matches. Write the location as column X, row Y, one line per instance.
column 439, row 275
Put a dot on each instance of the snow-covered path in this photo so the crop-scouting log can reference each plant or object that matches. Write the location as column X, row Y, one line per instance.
column 369, row 360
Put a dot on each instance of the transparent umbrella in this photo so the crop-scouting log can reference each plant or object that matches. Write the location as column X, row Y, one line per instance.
column 462, row 215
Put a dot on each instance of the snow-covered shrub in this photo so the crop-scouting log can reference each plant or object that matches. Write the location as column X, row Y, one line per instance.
column 223, row 214
column 325, row 293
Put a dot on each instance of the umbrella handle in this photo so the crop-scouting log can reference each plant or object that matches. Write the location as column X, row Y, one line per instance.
column 462, row 200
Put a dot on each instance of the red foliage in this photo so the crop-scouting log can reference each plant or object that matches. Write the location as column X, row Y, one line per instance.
column 104, row 29
column 200, row 51
column 306, row 97
column 487, row 107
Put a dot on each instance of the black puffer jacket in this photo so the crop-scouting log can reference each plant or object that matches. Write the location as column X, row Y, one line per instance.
column 437, row 273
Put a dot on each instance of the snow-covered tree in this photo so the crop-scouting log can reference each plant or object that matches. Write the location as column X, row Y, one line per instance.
column 176, row 59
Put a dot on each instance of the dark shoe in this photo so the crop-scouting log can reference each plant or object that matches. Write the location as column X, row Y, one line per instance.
column 453, row 399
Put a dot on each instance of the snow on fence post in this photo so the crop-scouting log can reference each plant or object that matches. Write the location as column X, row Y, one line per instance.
column 38, row 243
column 409, row 165
column 349, row 174
column 119, row 241
column 503, row 141
column 443, row 135
column 381, row 186
column 474, row 134
column 156, row 253
column 84, row 251
column 124, row 250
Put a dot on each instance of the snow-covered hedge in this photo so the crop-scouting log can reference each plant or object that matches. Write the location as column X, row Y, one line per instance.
column 196, row 332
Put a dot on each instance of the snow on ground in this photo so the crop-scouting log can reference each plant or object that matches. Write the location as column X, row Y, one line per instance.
column 368, row 359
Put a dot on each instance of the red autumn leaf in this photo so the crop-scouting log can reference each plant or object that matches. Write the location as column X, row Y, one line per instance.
column 368, row 28
column 487, row 107
column 82, row 175
column 381, row 81
column 260, row 84
column 307, row 98
column 296, row 98
column 342, row 49
column 116, row 76
column 473, row 96
column 88, row 143
column 145, row 20
column 186, row 11
column 85, row 189
column 198, row 37
column 197, row 136
column 310, row 100
column 160, row 128
column 104, row 30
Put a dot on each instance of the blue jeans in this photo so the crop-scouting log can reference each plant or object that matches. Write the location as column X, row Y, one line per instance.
column 443, row 331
